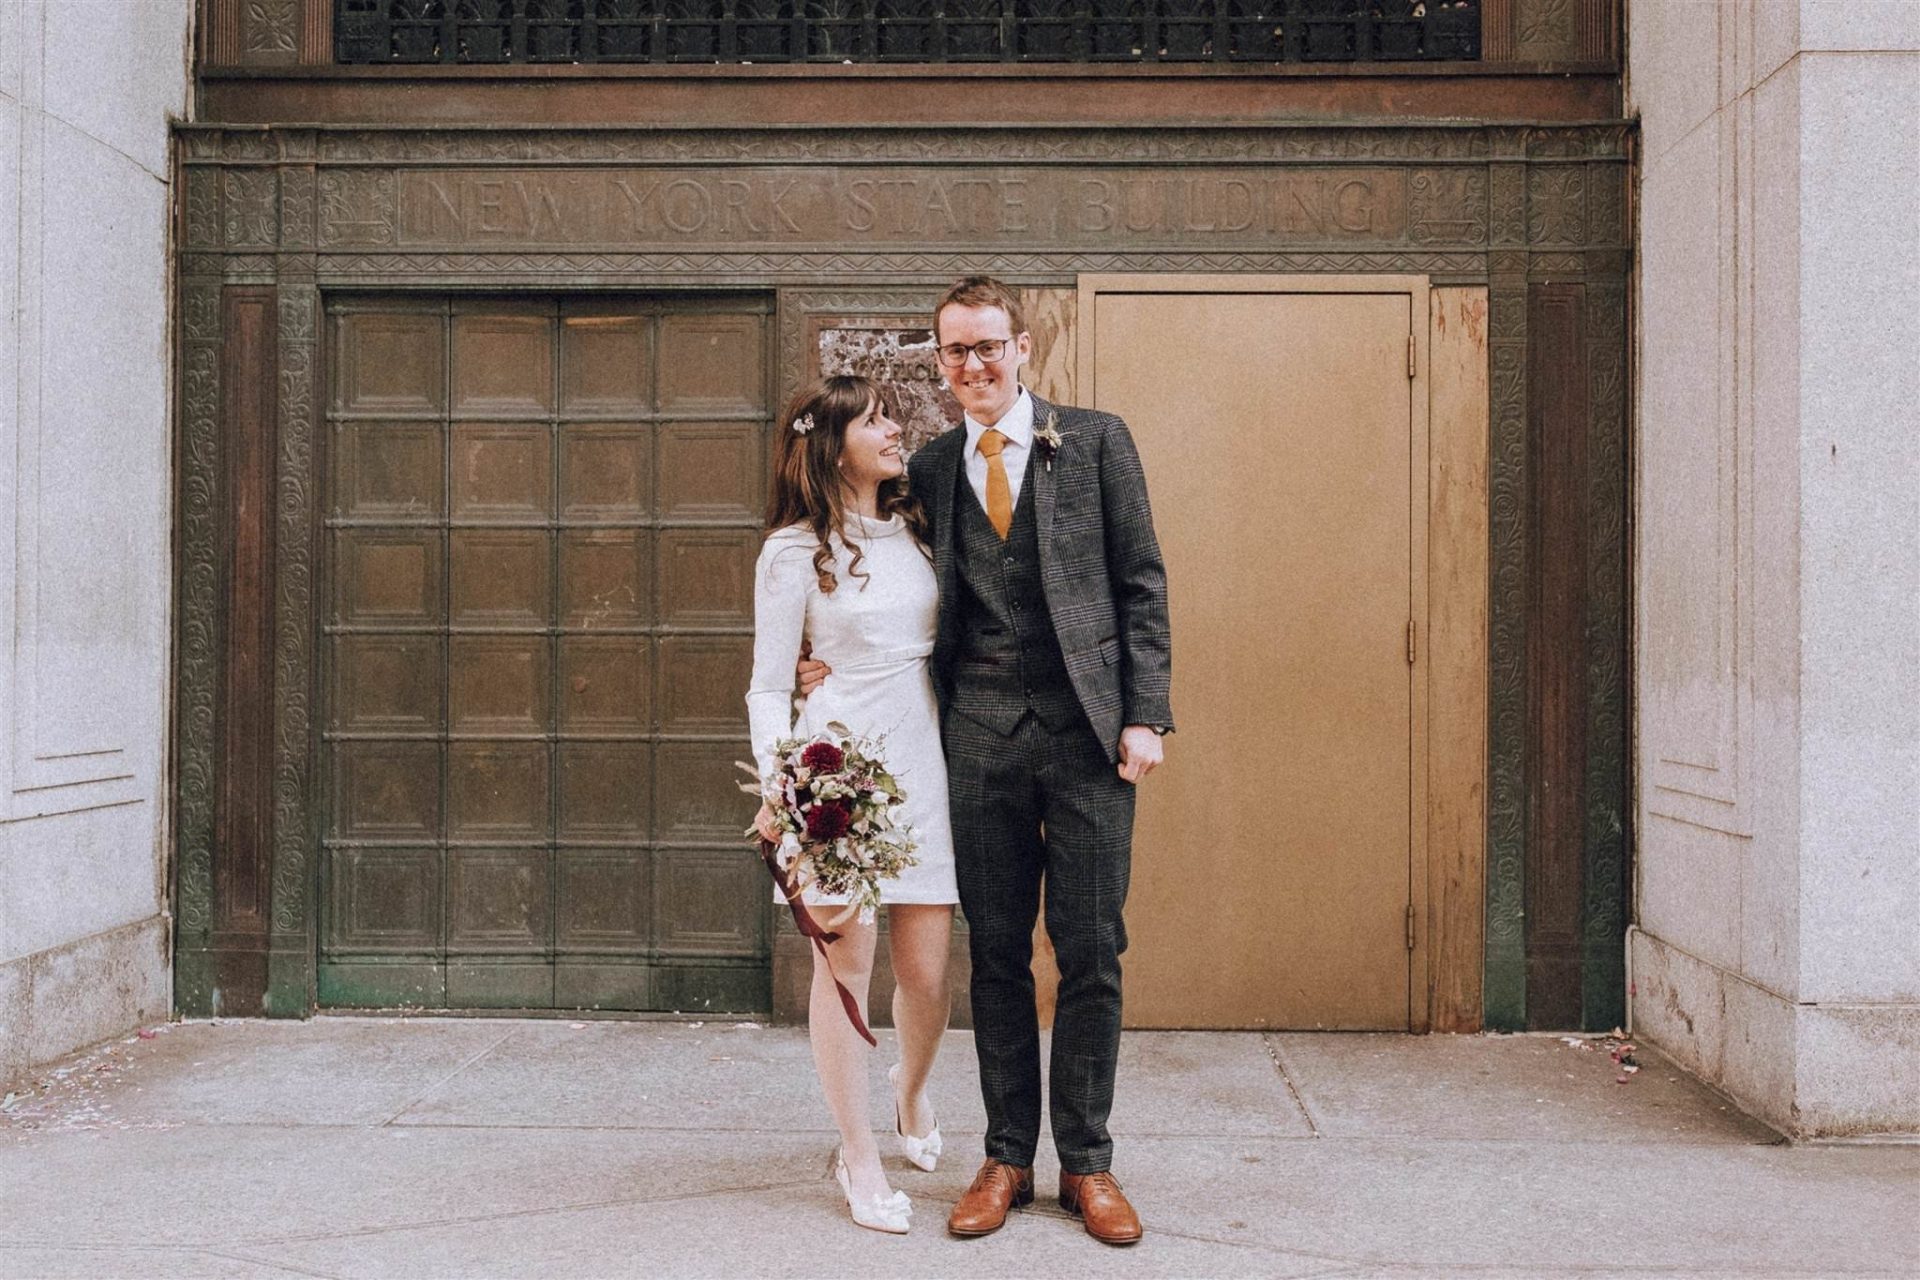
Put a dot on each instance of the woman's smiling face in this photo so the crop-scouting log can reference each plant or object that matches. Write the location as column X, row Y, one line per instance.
column 870, row 452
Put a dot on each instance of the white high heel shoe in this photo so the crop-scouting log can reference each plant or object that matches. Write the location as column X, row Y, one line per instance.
column 922, row 1153
column 891, row 1214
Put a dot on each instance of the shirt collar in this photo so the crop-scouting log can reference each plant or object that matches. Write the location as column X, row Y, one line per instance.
column 1016, row 426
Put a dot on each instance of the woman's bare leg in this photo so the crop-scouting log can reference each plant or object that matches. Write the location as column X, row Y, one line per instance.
column 840, row 1055
column 922, row 1002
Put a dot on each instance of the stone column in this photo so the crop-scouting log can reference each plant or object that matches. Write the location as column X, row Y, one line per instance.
column 1777, row 618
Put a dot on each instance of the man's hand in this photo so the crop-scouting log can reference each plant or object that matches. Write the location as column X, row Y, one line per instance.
column 808, row 672
column 1140, row 752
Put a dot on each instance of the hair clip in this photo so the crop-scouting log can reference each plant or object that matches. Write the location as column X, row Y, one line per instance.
column 803, row 424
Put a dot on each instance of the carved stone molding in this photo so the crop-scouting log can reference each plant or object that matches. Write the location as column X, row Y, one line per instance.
column 1505, row 979
column 290, row 966
column 299, row 210
column 1556, row 204
column 1582, row 31
column 886, row 145
column 1507, row 209
column 1449, row 206
column 197, row 501
column 251, row 201
column 357, row 207
column 733, row 269
column 267, row 33
column 1609, row 800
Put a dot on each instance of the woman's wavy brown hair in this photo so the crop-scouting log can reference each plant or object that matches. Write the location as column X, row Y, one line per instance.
column 806, row 471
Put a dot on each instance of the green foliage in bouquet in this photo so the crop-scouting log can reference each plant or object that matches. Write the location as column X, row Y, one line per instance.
column 836, row 807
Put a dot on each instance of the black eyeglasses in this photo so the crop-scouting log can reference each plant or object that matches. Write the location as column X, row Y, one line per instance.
column 954, row 354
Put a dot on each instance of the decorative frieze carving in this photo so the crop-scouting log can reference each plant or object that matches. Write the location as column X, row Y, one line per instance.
column 356, row 207
column 297, row 328
column 1544, row 31
column 1606, row 203
column 1507, row 204
column 270, row 30
column 1504, row 991
column 1556, row 266
column 251, row 201
column 908, row 145
column 202, row 208
column 1608, row 745
column 1557, row 204
column 575, row 269
column 299, row 209
column 200, row 313
column 200, row 612
column 1449, row 206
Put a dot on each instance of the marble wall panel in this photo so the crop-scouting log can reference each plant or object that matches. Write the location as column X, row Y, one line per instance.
column 1673, row 80
column 117, row 71
column 1860, row 25
column 1860, row 527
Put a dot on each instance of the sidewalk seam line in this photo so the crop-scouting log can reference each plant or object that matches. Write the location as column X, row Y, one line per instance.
column 535, row 1211
column 287, row 1267
column 437, row 1085
column 1286, row 1077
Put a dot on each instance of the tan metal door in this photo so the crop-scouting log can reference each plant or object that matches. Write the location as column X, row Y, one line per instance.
column 1273, row 853
column 542, row 522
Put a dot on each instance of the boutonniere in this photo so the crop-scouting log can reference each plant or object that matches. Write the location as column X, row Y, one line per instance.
column 1048, row 434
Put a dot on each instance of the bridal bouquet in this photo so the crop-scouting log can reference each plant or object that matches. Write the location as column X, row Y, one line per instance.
column 835, row 805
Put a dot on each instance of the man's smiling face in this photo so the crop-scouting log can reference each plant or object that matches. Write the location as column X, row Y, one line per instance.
column 985, row 390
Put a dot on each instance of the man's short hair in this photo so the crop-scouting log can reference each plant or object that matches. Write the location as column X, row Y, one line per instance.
column 982, row 291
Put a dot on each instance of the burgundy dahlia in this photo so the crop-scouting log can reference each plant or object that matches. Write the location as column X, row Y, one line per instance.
column 830, row 819
column 822, row 757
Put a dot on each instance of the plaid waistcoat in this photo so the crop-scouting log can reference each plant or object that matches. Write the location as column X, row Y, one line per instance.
column 1010, row 661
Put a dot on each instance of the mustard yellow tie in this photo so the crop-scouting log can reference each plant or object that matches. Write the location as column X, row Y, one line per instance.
column 999, row 496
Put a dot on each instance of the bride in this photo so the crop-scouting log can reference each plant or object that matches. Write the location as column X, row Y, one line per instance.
column 846, row 569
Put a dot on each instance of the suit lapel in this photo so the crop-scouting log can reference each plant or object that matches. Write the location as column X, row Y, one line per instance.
column 1040, row 476
column 946, row 488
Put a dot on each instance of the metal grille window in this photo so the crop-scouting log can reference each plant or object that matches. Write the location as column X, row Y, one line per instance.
column 749, row 31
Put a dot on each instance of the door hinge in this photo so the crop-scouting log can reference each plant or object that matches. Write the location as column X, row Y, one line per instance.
column 1409, row 926
column 1409, row 641
column 1410, row 368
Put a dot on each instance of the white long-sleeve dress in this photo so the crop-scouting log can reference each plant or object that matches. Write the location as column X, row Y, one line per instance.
column 876, row 633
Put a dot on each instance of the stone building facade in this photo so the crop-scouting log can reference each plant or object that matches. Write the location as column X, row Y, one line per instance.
column 88, row 98
column 480, row 315
column 1777, row 882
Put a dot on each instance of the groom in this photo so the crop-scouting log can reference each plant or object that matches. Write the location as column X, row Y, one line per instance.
column 1052, row 666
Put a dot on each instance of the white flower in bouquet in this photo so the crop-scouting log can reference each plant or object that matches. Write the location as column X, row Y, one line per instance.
column 833, row 801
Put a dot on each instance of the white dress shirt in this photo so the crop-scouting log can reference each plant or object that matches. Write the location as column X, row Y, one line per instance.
column 1017, row 427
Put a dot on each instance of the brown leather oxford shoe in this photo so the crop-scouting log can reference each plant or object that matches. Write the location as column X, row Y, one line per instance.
column 997, row 1188
column 1096, row 1199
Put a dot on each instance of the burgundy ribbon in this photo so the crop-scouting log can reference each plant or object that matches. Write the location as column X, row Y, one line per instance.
column 809, row 927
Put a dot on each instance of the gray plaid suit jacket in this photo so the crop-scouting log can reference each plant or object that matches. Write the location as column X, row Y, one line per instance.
column 1100, row 566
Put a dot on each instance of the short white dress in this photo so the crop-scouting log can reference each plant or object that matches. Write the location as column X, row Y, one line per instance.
column 876, row 633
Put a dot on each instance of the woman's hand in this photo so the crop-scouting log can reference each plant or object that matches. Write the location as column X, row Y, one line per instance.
column 764, row 823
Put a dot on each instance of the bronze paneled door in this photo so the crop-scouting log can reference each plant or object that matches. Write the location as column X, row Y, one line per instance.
column 541, row 527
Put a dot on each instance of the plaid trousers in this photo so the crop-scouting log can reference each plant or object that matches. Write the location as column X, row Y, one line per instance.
column 1039, row 805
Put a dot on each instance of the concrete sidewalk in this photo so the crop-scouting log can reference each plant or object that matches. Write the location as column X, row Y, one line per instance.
column 476, row 1147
